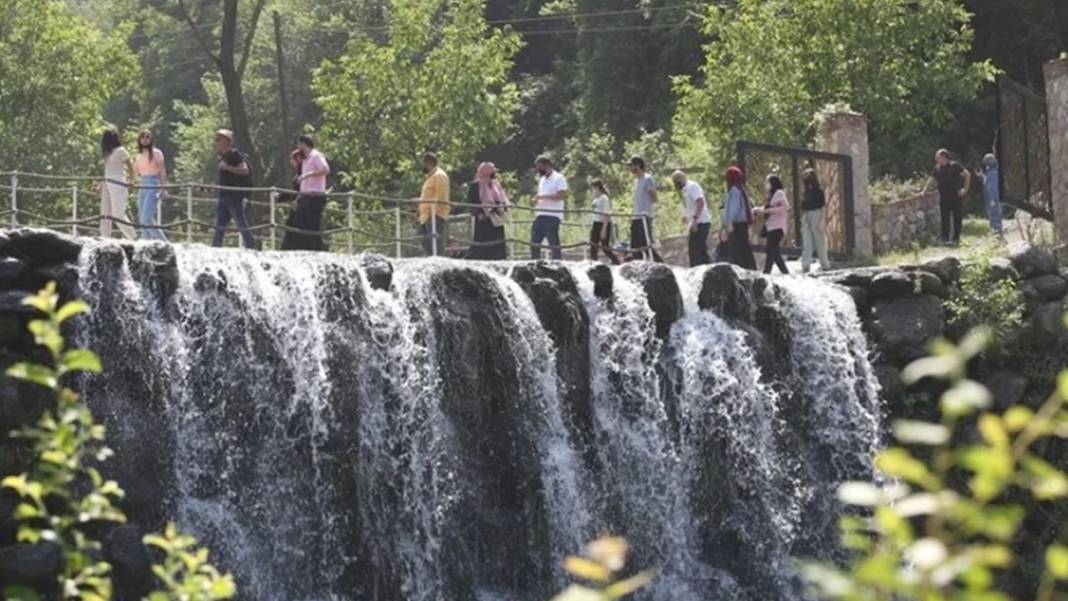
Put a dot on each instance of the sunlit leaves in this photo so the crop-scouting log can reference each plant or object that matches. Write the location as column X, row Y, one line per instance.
column 185, row 572
column 600, row 568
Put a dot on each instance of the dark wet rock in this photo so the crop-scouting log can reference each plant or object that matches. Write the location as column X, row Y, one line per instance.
column 661, row 289
column 1045, row 328
column 65, row 275
column 890, row 285
column 131, row 566
column 42, row 246
column 155, row 265
column 902, row 328
column 378, row 269
column 1046, row 287
column 947, row 269
column 1008, row 388
column 33, row 565
column 1034, row 261
column 860, row 277
column 21, row 403
column 929, row 283
column 892, row 389
column 727, row 291
column 601, row 276
column 11, row 269
column 860, row 298
column 1003, row 269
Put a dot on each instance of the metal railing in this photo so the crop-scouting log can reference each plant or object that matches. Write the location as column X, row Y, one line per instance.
column 352, row 221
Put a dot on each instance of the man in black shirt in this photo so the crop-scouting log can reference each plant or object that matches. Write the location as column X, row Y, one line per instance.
column 953, row 182
column 234, row 174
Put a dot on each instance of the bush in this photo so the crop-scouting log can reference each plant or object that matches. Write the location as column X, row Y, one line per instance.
column 985, row 297
column 604, row 560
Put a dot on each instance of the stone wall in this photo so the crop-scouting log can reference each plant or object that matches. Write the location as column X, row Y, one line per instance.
column 896, row 225
column 847, row 133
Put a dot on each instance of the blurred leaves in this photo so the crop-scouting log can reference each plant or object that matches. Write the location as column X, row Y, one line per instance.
column 601, row 566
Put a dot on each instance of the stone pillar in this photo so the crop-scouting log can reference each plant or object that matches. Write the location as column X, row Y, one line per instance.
column 1056, row 74
column 847, row 133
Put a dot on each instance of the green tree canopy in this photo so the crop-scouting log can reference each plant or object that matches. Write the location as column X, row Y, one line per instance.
column 773, row 64
column 57, row 74
column 438, row 79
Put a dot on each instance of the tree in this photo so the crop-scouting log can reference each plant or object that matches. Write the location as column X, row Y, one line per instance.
column 774, row 63
column 57, row 73
column 437, row 80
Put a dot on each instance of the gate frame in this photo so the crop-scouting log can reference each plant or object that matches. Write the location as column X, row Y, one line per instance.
column 1026, row 92
column 796, row 153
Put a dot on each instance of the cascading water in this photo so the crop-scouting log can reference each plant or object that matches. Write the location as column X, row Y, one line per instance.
column 455, row 435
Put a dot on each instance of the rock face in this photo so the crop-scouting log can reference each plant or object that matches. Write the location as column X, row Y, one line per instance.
column 1034, row 261
column 903, row 327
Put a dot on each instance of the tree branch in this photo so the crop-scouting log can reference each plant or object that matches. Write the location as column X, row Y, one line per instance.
column 246, row 48
column 196, row 33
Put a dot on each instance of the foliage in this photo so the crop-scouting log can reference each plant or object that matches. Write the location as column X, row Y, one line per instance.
column 439, row 81
column 942, row 523
column 773, row 63
column 984, row 296
column 63, row 499
column 58, row 73
column 889, row 189
column 604, row 560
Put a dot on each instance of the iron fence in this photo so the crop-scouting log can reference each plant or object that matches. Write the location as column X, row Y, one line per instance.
column 1022, row 148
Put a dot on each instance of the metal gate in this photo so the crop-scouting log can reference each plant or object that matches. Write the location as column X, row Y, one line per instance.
column 1022, row 147
column 835, row 172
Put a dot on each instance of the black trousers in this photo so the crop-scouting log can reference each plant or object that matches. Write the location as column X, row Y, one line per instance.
column 952, row 214
column 489, row 241
column 638, row 240
column 308, row 215
column 739, row 250
column 697, row 244
column 603, row 244
column 773, row 256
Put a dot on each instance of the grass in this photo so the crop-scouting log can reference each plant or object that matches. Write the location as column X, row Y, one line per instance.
column 976, row 239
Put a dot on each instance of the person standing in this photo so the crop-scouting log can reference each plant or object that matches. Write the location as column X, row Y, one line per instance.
column 953, row 182
column 697, row 218
column 549, row 209
column 308, row 210
column 433, row 207
column 151, row 168
column 296, row 159
column 813, row 237
column 489, row 205
column 990, row 175
column 235, row 175
column 601, row 224
column 641, row 225
column 775, row 213
column 115, row 191
column 737, row 216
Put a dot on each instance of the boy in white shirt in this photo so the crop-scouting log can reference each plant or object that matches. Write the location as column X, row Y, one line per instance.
column 697, row 217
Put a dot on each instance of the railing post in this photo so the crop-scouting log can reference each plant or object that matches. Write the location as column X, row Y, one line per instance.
column 74, row 210
column 189, row 214
column 14, row 199
column 351, row 221
column 434, row 231
column 397, row 228
column 273, row 201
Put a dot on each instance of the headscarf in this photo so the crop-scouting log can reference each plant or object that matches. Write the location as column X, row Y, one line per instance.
column 990, row 162
column 490, row 192
column 736, row 179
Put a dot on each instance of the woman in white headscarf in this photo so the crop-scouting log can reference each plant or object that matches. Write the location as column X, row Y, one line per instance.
column 488, row 205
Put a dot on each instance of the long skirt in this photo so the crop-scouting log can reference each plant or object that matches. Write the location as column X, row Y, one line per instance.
column 488, row 242
column 739, row 250
column 308, row 216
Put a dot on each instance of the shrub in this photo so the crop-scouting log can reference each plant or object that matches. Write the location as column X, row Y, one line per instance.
column 984, row 297
column 604, row 560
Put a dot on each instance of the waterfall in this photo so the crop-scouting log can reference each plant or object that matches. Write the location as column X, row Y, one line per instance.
column 454, row 435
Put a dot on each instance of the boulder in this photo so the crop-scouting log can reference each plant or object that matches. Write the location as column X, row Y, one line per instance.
column 33, row 565
column 901, row 328
column 1008, row 388
column 131, row 567
column 1034, row 260
column 601, row 276
column 155, row 265
column 892, row 389
column 1045, row 327
column 726, row 292
column 861, row 277
column 890, row 285
column 947, row 269
column 378, row 270
column 860, row 298
column 661, row 290
column 1003, row 269
column 42, row 246
column 1047, row 287
column 11, row 269
column 13, row 317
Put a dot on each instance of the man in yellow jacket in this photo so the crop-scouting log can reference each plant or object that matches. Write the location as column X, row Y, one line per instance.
column 434, row 207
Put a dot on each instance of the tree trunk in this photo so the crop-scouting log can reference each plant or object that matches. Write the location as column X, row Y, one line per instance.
column 232, row 75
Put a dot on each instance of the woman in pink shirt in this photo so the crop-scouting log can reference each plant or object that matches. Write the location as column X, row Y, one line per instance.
column 776, row 215
column 152, row 171
column 307, row 215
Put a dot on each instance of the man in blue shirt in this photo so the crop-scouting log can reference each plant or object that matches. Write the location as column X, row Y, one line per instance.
column 991, row 176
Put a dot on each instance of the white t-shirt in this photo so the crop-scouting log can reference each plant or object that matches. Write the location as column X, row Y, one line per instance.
column 691, row 193
column 548, row 186
column 115, row 164
column 602, row 206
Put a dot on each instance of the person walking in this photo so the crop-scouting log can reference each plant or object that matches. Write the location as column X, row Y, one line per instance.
column 990, row 175
column 641, row 225
column 235, row 175
column 813, row 237
column 151, row 168
column 307, row 216
column 549, row 209
column 953, row 182
column 433, row 207
column 697, row 218
column 489, row 205
column 119, row 173
column 775, row 213
column 737, row 216
column 601, row 223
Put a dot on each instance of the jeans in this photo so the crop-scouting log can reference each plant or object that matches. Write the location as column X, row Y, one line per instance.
column 952, row 214
column 232, row 207
column 993, row 213
column 773, row 254
column 698, row 245
column 148, row 208
column 813, row 239
column 641, row 237
column 433, row 246
column 545, row 228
